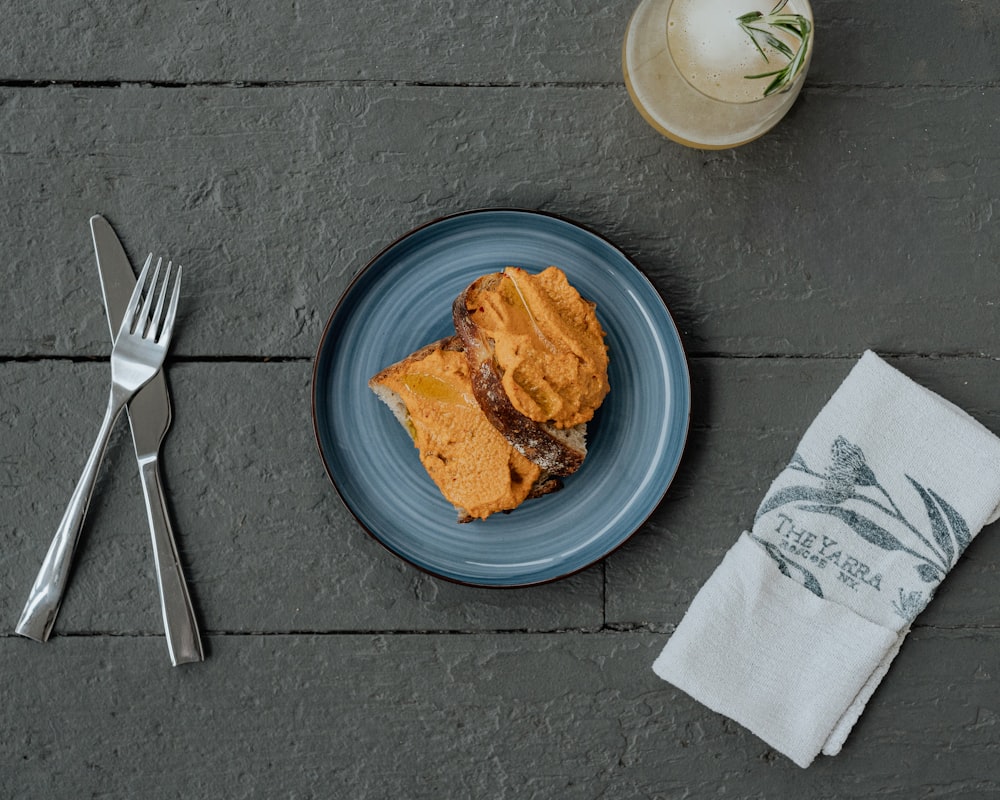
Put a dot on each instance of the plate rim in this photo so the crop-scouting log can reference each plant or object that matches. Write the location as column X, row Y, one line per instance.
column 682, row 443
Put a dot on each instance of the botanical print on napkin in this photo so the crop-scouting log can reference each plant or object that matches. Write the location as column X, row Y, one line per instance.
column 839, row 529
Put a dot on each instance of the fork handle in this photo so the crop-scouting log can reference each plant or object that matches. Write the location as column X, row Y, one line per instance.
column 179, row 622
column 40, row 611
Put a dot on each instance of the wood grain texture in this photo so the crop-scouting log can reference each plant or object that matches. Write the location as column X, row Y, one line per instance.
column 452, row 717
column 269, row 546
column 489, row 42
column 266, row 542
column 274, row 198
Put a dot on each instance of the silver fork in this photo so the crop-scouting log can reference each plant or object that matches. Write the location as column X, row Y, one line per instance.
column 138, row 353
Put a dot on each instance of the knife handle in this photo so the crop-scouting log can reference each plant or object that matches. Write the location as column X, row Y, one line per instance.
column 179, row 623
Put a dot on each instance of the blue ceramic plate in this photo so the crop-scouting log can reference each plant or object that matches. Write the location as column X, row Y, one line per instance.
column 402, row 301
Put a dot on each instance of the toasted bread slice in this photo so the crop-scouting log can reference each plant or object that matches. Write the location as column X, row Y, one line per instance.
column 474, row 466
column 494, row 314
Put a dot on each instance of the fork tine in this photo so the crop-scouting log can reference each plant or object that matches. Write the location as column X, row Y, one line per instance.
column 129, row 319
column 154, row 323
column 143, row 320
column 168, row 323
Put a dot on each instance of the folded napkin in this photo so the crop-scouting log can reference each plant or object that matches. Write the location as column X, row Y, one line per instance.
column 795, row 629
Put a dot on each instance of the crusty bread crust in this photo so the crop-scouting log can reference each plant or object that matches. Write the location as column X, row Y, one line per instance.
column 546, row 482
column 558, row 452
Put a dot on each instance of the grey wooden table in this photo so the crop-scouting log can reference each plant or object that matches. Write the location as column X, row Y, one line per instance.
column 273, row 148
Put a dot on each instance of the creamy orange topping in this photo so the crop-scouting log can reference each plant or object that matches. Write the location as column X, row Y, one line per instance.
column 470, row 461
column 548, row 345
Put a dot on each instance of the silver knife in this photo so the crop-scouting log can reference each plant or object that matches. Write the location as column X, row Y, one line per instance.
column 149, row 418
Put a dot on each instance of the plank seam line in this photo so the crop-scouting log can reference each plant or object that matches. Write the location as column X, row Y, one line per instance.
column 170, row 360
column 587, row 631
column 44, row 83
column 841, row 356
column 705, row 356
column 604, row 630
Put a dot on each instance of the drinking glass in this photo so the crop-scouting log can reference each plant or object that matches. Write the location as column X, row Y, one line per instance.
column 689, row 69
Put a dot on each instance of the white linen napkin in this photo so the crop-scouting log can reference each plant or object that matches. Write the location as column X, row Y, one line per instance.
column 795, row 629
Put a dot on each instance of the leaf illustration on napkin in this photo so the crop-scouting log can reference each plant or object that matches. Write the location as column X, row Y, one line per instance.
column 959, row 528
column 849, row 465
column 795, row 494
column 864, row 527
column 808, row 579
column 910, row 604
column 849, row 480
column 939, row 528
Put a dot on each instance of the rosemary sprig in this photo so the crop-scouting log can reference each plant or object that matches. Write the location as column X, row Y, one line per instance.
column 795, row 24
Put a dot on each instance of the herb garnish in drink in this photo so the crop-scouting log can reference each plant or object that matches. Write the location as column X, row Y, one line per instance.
column 794, row 24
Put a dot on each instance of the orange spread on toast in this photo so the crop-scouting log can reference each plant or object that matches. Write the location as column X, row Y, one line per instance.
column 548, row 345
column 471, row 462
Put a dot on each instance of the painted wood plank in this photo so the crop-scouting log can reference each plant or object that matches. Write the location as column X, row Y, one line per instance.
column 460, row 716
column 266, row 543
column 524, row 42
column 863, row 220
column 269, row 547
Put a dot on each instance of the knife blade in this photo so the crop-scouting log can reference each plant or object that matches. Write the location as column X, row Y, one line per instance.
column 152, row 404
column 149, row 416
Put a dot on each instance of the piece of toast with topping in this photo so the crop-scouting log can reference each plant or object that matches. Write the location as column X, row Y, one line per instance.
column 538, row 362
column 477, row 470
